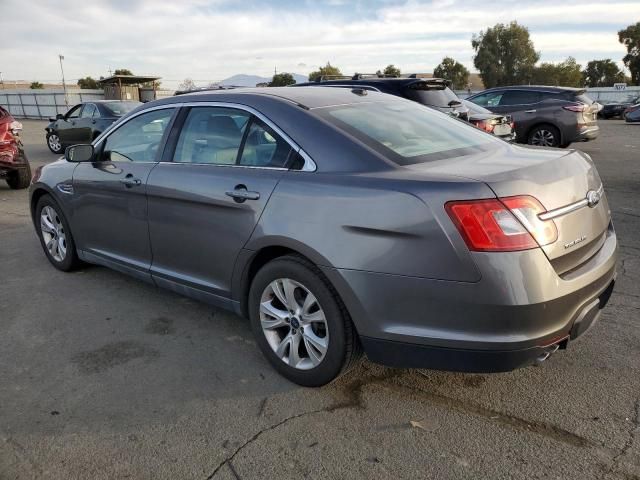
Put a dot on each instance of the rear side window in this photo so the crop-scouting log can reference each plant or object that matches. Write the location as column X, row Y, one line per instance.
column 407, row 132
column 88, row 111
column 519, row 97
column 211, row 135
column 264, row 147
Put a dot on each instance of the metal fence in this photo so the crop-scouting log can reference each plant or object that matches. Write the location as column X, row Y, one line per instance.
column 44, row 104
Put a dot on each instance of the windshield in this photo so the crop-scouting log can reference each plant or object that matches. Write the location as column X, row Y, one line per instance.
column 408, row 133
column 431, row 94
column 118, row 109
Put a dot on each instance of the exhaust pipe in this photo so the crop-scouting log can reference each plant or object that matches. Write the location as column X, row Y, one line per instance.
column 548, row 351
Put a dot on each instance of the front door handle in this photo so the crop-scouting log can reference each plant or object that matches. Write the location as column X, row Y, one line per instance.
column 241, row 194
column 129, row 181
column 529, row 111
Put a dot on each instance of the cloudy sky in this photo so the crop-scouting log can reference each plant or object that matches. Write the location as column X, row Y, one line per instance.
column 209, row 40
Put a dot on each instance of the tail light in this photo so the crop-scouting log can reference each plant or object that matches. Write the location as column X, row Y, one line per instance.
column 580, row 107
column 502, row 225
column 485, row 125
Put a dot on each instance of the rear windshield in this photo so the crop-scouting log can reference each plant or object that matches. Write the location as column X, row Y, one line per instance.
column 408, row 133
column 434, row 95
column 118, row 109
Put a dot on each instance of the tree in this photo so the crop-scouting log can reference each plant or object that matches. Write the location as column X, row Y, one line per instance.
column 390, row 70
column 123, row 71
column 453, row 71
column 88, row 83
column 328, row 69
column 504, row 55
column 36, row 86
column 566, row 74
column 602, row 73
column 282, row 80
column 187, row 84
column 630, row 38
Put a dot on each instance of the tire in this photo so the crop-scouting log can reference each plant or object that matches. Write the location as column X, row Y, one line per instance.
column 331, row 327
column 54, row 143
column 20, row 178
column 544, row 135
column 66, row 260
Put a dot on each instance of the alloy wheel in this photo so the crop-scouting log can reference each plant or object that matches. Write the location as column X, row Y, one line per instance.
column 543, row 138
column 54, row 142
column 53, row 234
column 294, row 324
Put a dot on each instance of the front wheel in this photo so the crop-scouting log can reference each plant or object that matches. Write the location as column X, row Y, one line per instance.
column 544, row 136
column 300, row 323
column 54, row 143
column 55, row 235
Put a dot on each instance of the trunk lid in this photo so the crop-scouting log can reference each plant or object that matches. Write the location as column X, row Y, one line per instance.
column 559, row 179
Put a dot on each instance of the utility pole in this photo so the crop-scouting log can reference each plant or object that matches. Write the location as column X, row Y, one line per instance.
column 64, row 85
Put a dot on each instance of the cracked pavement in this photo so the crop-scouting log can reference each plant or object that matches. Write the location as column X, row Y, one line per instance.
column 102, row 376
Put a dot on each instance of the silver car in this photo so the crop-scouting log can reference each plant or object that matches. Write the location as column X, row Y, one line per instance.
column 338, row 221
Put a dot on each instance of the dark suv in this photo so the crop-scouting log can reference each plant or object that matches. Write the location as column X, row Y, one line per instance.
column 432, row 92
column 546, row 116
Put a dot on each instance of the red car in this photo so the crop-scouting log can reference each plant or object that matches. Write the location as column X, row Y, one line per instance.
column 14, row 166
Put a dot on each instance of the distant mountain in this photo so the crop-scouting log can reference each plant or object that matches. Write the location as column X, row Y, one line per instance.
column 243, row 80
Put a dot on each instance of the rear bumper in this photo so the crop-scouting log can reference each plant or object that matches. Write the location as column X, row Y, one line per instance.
column 588, row 133
column 508, row 319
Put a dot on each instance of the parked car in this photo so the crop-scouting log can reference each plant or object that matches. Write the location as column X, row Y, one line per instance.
column 84, row 122
column 14, row 165
column 632, row 113
column 545, row 116
column 502, row 126
column 338, row 221
column 617, row 109
column 432, row 92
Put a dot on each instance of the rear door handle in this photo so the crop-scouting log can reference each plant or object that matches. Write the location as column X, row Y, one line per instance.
column 129, row 181
column 529, row 111
column 241, row 194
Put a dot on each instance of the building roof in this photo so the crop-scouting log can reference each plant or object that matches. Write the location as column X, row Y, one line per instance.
column 128, row 79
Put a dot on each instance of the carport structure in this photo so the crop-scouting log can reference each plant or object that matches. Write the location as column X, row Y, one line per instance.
column 129, row 87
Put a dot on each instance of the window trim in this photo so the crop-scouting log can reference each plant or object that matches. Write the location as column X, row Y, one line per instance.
column 309, row 163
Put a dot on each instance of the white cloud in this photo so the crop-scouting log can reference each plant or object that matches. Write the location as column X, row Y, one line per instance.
column 206, row 41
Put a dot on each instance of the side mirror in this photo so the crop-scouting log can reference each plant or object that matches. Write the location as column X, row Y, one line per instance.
column 79, row 153
column 59, row 116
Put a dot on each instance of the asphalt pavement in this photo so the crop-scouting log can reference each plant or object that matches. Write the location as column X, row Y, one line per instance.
column 104, row 377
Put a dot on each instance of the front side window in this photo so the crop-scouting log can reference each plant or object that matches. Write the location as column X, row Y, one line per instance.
column 74, row 112
column 88, row 110
column 264, row 147
column 138, row 139
column 407, row 132
column 211, row 135
column 491, row 99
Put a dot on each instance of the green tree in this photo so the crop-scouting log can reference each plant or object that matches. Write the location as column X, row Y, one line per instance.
column 602, row 73
column 123, row 71
column 630, row 38
column 390, row 70
column 328, row 69
column 88, row 83
column 504, row 55
column 282, row 80
column 453, row 71
column 36, row 86
column 565, row 74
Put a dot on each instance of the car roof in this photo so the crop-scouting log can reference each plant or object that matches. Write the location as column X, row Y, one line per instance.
column 306, row 97
column 536, row 88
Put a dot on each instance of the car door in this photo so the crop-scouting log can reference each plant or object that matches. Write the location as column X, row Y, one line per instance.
column 66, row 126
column 109, row 194
column 84, row 124
column 205, row 201
column 523, row 106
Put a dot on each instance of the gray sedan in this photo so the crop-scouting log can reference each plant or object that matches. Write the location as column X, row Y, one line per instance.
column 339, row 221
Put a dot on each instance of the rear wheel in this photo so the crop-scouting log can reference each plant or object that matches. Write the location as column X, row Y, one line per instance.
column 20, row 178
column 300, row 323
column 55, row 235
column 53, row 142
column 544, row 136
